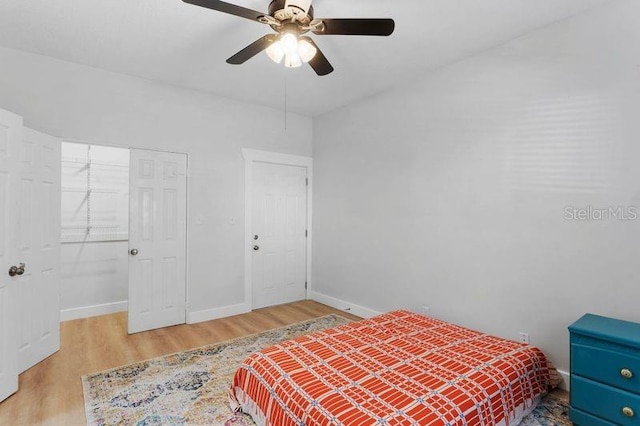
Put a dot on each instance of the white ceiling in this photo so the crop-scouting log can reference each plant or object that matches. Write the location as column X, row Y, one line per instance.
column 184, row 45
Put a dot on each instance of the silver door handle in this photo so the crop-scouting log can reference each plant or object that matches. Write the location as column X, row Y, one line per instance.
column 134, row 252
column 17, row 270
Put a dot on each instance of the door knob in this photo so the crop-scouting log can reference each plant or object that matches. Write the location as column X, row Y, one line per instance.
column 256, row 248
column 134, row 252
column 255, row 237
column 16, row 270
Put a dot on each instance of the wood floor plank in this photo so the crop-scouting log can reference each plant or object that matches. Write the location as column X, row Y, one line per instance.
column 51, row 392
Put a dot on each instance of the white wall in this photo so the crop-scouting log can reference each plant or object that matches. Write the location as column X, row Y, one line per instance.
column 81, row 103
column 95, row 230
column 451, row 191
column 94, row 278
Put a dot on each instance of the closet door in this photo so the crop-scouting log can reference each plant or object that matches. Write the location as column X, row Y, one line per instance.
column 157, row 239
column 38, row 246
column 10, row 138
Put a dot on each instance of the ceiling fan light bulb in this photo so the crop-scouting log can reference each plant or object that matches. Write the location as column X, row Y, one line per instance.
column 275, row 52
column 306, row 50
column 292, row 61
column 289, row 44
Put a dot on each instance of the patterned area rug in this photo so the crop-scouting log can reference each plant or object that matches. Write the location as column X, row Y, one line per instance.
column 183, row 388
column 552, row 410
column 190, row 388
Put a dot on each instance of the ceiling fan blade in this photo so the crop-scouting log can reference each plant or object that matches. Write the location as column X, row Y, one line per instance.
column 252, row 50
column 369, row 27
column 319, row 63
column 229, row 8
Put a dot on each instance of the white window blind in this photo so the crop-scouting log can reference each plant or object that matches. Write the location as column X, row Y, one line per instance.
column 95, row 193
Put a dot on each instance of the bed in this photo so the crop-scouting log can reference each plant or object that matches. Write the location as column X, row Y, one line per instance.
column 398, row 368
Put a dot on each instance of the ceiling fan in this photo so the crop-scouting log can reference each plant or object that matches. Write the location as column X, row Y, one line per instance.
column 291, row 19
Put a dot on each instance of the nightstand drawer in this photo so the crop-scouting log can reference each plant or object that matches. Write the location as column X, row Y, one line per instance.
column 581, row 418
column 604, row 401
column 603, row 365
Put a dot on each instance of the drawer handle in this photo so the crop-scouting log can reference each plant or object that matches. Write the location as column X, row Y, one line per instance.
column 628, row 412
column 626, row 373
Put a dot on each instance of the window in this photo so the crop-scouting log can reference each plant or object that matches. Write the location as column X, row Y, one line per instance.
column 95, row 193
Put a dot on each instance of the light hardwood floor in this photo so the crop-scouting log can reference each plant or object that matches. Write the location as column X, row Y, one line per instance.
column 51, row 392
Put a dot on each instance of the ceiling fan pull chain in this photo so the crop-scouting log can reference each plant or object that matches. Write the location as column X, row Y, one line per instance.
column 285, row 101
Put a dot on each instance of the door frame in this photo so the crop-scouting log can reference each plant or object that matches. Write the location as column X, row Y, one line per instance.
column 252, row 156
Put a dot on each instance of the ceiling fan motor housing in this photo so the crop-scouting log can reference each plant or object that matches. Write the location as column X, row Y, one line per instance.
column 299, row 11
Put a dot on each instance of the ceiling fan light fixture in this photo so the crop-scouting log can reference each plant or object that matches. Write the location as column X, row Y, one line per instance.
column 294, row 50
column 306, row 50
column 289, row 43
column 275, row 52
column 292, row 61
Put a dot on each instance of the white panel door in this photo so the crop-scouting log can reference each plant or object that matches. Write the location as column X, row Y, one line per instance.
column 10, row 138
column 279, row 230
column 38, row 246
column 157, row 240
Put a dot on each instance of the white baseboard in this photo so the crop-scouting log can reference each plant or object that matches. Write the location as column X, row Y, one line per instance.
column 92, row 311
column 566, row 380
column 212, row 314
column 342, row 305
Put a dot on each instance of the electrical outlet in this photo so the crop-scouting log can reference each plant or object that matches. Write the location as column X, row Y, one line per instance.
column 524, row 338
column 425, row 310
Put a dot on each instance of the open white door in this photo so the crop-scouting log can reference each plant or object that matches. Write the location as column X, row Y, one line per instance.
column 38, row 247
column 280, row 228
column 10, row 137
column 157, row 240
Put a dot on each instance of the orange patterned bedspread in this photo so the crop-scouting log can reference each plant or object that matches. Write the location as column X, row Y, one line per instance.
column 398, row 368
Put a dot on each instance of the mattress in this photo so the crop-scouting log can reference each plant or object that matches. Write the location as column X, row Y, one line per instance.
column 398, row 368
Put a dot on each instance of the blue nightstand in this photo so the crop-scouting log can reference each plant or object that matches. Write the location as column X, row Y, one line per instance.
column 605, row 371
